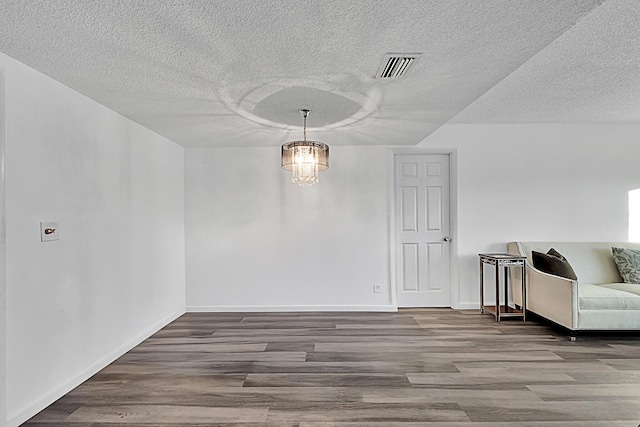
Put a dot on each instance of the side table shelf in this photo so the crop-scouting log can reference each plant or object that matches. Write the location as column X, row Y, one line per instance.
column 506, row 261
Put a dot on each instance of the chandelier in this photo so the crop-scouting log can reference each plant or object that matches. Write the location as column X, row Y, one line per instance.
column 305, row 158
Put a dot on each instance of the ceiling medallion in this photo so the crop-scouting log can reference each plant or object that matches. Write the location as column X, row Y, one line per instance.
column 305, row 158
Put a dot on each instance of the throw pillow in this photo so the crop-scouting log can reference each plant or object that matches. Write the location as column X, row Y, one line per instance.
column 553, row 262
column 628, row 262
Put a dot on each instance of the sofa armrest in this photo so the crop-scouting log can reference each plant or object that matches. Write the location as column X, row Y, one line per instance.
column 550, row 296
column 553, row 297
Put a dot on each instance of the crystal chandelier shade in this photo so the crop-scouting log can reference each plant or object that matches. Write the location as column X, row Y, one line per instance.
column 305, row 158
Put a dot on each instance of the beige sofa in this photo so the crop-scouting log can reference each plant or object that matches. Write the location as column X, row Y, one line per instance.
column 598, row 300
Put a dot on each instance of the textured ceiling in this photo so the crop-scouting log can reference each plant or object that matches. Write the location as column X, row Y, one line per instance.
column 234, row 73
column 589, row 74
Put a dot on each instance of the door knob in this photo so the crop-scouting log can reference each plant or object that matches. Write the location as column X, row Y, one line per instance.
column 447, row 239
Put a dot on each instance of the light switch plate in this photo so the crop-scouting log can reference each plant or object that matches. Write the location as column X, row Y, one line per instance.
column 49, row 231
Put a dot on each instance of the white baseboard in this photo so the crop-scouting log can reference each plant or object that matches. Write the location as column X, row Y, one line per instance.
column 14, row 420
column 275, row 308
column 469, row 305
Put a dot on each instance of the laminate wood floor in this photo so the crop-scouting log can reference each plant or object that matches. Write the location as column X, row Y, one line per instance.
column 418, row 367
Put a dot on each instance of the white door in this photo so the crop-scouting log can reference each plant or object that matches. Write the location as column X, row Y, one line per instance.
column 422, row 230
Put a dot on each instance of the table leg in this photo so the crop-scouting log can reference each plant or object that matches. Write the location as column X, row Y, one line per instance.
column 524, row 292
column 481, row 286
column 506, row 288
column 497, row 293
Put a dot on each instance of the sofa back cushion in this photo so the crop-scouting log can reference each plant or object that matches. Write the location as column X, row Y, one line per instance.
column 592, row 261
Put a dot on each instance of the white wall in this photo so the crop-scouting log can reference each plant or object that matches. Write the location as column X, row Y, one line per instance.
column 117, row 273
column 538, row 182
column 3, row 264
column 256, row 241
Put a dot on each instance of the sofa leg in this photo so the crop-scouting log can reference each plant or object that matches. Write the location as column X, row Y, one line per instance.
column 573, row 336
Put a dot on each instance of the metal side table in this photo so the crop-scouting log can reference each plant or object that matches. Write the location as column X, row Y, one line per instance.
column 505, row 261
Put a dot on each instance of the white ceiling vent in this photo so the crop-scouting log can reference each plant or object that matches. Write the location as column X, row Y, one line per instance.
column 396, row 65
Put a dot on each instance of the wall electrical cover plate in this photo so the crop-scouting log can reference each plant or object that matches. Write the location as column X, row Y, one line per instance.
column 49, row 231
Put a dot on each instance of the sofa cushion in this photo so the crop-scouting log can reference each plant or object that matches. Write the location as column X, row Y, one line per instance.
column 628, row 263
column 592, row 261
column 632, row 288
column 607, row 297
column 553, row 263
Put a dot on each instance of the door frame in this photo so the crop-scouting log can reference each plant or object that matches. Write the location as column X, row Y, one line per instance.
column 453, row 218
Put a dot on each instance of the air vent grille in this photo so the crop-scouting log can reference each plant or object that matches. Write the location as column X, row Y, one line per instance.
column 396, row 65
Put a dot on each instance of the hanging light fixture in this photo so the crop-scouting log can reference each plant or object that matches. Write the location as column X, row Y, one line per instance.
column 305, row 158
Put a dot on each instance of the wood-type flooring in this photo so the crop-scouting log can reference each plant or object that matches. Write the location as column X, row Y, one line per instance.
column 417, row 367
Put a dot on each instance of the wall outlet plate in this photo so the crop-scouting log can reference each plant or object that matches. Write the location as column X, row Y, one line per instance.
column 377, row 288
column 49, row 231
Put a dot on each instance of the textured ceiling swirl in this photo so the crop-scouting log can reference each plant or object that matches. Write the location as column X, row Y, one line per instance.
column 234, row 73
